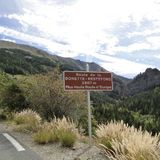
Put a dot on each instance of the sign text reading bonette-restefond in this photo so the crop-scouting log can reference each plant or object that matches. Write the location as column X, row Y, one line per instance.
column 87, row 81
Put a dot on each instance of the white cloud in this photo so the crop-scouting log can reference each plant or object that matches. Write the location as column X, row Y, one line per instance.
column 146, row 32
column 50, row 45
column 157, row 56
column 82, row 23
column 7, row 39
column 133, row 47
column 154, row 41
column 119, row 66
column 122, row 66
column 87, row 27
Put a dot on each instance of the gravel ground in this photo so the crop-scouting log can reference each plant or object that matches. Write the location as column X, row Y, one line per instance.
column 81, row 151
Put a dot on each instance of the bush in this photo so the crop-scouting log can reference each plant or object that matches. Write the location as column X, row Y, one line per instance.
column 47, row 96
column 3, row 115
column 83, row 124
column 62, row 130
column 46, row 134
column 107, row 133
column 13, row 98
column 65, row 124
column 67, row 138
column 27, row 121
column 67, row 131
column 122, row 142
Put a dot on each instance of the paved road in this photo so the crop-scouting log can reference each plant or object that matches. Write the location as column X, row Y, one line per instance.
column 9, row 152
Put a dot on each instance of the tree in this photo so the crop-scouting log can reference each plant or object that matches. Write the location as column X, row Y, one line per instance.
column 48, row 97
column 13, row 98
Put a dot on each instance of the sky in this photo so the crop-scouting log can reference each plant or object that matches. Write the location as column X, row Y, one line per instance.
column 123, row 36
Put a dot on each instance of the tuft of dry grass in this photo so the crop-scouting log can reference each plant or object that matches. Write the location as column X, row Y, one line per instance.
column 67, row 138
column 58, row 130
column 27, row 121
column 63, row 130
column 46, row 134
column 66, row 130
column 107, row 133
column 122, row 142
column 65, row 124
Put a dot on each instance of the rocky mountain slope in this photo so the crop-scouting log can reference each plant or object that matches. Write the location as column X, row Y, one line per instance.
column 144, row 81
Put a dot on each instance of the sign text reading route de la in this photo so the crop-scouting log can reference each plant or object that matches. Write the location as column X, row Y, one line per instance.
column 91, row 81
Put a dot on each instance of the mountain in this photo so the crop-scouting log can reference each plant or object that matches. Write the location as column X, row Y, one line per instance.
column 23, row 59
column 10, row 48
column 26, row 48
column 144, row 81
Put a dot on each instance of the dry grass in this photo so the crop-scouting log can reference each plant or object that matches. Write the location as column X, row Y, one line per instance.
column 58, row 130
column 46, row 134
column 122, row 142
column 62, row 130
column 107, row 133
column 65, row 124
column 27, row 121
column 66, row 130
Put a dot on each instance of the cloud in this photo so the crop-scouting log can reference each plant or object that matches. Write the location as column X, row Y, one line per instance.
column 147, row 32
column 86, row 18
column 101, row 28
column 134, row 47
column 82, row 23
column 117, row 65
column 122, row 66
column 7, row 39
column 51, row 45
column 157, row 56
column 154, row 41
column 9, row 7
column 62, row 2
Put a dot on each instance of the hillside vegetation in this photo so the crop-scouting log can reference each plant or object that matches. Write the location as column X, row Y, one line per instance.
column 34, row 82
column 15, row 61
column 139, row 110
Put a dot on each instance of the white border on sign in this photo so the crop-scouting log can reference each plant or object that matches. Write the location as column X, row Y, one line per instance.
column 85, row 89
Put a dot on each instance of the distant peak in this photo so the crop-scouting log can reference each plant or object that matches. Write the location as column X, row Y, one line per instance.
column 151, row 70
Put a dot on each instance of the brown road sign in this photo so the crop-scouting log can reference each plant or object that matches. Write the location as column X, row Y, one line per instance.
column 89, row 81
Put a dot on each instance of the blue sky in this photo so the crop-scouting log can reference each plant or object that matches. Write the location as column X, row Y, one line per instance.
column 122, row 36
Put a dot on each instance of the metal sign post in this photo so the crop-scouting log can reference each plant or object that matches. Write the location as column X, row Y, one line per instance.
column 87, row 81
column 89, row 113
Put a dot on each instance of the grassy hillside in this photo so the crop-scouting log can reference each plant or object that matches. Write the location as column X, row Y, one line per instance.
column 15, row 61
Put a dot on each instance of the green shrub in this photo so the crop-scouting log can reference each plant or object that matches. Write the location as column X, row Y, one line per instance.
column 67, row 138
column 46, row 134
column 47, row 96
column 3, row 115
column 13, row 98
column 83, row 125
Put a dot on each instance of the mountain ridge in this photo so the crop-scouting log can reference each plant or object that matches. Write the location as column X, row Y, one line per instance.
column 27, row 59
column 54, row 60
column 145, row 81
